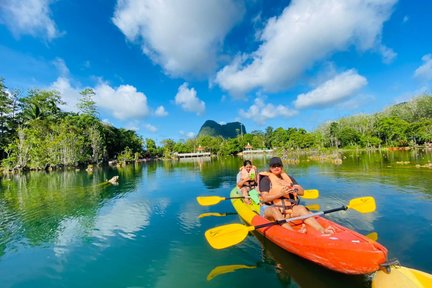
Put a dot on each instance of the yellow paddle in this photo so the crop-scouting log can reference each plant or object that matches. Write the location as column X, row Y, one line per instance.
column 401, row 277
column 373, row 236
column 228, row 235
column 213, row 200
column 226, row 269
column 216, row 214
column 314, row 207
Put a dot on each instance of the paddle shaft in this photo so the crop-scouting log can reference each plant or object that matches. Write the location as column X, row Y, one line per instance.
column 301, row 217
column 237, row 197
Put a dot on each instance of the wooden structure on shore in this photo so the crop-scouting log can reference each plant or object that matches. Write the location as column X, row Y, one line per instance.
column 248, row 150
column 198, row 154
column 193, row 155
column 258, row 151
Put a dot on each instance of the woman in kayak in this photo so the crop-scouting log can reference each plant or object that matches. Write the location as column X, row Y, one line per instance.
column 246, row 179
column 279, row 193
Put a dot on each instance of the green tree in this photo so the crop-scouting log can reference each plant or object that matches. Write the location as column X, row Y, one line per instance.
column 420, row 132
column 348, row 137
column 69, row 143
column 8, row 123
column 168, row 147
column 209, row 143
column 126, row 155
column 42, row 105
column 300, row 139
column 279, row 137
column 86, row 104
column 268, row 136
column 424, row 107
column 181, row 147
column 334, row 132
column 392, row 131
column 150, row 147
column 96, row 143
column 230, row 147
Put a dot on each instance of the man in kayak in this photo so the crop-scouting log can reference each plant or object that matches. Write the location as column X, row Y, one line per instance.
column 246, row 179
column 279, row 192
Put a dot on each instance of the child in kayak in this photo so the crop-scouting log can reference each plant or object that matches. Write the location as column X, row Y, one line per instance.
column 246, row 179
column 279, row 193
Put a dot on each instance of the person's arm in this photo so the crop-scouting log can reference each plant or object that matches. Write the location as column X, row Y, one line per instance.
column 239, row 181
column 296, row 188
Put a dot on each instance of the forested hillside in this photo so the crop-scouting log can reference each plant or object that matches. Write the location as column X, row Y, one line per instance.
column 229, row 130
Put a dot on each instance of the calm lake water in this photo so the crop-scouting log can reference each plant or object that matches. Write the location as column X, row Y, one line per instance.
column 66, row 229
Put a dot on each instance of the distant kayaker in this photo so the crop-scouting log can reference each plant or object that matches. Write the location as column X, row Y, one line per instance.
column 279, row 193
column 246, row 179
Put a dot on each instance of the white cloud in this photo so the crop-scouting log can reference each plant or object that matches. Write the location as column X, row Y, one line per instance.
column 425, row 70
column 69, row 94
column 150, row 128
column 132, row 125
column 339, row 88
column 306, row 32
column 161, row 112
column 28, row 17
column 260, row 112
column 181, row 36
column 187, row 134
column 124, row 102
column 388, row 54
column 188, row 100
column 61, row 67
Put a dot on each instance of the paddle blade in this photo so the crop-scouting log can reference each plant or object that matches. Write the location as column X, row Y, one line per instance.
column 254, row 196
column 227, row 235
column 211, row 214
column 310, row 194
column 216, row 214
column 314, row 207
column 373, row 236
column 402, row 277
column 226, row 269
column 209, row 200
column 363, row 204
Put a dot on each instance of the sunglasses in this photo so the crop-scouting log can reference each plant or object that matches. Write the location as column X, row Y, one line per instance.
column 276, row 166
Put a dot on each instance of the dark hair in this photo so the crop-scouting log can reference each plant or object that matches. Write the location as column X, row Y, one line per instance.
column 246, row 162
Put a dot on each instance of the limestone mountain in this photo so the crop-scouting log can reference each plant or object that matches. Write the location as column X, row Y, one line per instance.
column 229, row 130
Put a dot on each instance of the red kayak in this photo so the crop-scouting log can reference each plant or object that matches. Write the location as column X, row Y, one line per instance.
column 344, row 251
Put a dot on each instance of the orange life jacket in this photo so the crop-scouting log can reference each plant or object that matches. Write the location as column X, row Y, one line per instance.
column 245, row 175
column 249, row 176
column 276, row 185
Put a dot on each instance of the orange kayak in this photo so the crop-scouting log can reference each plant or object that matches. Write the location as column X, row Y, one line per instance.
column 345, row 251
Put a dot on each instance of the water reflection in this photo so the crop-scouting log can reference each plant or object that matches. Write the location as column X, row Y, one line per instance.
column 292, row 269
column 216, row 173
column 40, row 208
column 188, row 220
column 68, row 228
column 399, row 169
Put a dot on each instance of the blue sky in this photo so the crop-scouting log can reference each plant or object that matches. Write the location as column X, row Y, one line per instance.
column 164, row 67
